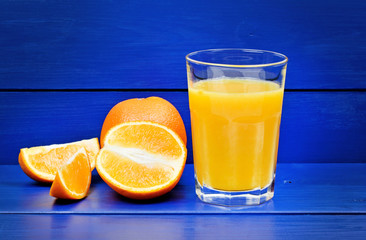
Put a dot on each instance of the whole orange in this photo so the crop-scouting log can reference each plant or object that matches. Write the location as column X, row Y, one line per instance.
column 153, row 109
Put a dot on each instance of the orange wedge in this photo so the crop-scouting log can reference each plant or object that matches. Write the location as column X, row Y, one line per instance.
column 73, row 179
column 42, row 163
column 141, row 160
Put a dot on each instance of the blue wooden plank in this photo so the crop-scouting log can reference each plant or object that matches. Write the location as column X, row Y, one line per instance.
column 300, row 189
column 316, row 126
column 182, row 227
column 142, row 44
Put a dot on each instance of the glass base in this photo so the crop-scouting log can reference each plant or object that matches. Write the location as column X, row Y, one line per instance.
column 235, row 198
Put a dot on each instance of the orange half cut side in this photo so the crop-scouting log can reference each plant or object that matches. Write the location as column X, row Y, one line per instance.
column 141, row 160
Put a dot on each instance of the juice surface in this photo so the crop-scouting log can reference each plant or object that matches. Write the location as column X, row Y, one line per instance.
column 235, row 130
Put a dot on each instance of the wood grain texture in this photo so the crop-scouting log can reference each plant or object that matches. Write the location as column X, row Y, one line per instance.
column 300, row 189
column 182, row 227
column 316, row 126
column 133, row 45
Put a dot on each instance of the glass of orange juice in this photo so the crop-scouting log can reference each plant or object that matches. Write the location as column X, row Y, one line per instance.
column 235, row 101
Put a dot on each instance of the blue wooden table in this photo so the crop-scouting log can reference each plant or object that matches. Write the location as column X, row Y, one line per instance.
column 64, row 64
column 311, row 200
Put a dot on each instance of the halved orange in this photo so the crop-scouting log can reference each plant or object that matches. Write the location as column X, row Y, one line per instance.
column 41, row 163
column 141, row 160
column 73, row 179
column 151, row 109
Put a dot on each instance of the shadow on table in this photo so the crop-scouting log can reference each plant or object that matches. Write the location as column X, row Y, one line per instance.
column 63, row 202
column 166, row 197
column 96, row 179
column 40, row 184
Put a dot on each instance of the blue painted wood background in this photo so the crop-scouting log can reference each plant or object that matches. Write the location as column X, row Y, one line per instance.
column 64, row 64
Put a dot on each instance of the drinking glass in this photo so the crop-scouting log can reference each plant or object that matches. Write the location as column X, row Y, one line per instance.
column 235, row 101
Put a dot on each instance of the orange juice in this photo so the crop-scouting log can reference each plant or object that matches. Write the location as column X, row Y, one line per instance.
column 235, row 130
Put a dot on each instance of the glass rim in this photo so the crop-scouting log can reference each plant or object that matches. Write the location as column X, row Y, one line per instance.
column 284, row 61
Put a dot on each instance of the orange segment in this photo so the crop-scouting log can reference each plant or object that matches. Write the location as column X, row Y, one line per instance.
column 141, row 160
column 41, row 163
column 73, row 179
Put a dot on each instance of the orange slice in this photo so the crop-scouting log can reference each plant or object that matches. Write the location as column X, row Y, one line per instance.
column 42, row 163
column 73, row 179
column 141, row 160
